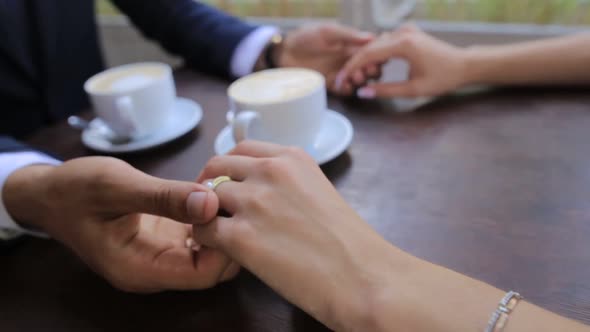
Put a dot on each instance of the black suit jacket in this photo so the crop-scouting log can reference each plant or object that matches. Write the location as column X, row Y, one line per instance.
column 47, row 86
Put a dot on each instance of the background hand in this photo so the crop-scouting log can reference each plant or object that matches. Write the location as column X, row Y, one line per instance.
column 291, row 228
column 435, row 66
column 108, row 213
column 325, row 48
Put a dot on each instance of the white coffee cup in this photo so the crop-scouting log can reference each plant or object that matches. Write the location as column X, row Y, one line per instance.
column 133, row 100
column 284, row 106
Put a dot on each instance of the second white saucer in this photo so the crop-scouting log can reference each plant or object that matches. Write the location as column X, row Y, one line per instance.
column 335, row 137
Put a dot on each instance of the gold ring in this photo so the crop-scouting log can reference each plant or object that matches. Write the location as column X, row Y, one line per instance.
column 213, row 184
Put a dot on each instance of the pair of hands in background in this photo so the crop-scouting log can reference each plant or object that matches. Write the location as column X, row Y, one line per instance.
column 351, row 60
column 436, row 67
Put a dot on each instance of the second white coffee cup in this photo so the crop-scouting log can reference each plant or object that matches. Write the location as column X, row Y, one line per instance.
column 284, row 106
column 134, row 100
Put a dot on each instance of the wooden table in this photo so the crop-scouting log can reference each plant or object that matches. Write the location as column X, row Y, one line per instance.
column 495, row 185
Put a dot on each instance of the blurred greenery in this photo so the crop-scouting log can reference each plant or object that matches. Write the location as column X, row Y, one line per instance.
column 569, row 12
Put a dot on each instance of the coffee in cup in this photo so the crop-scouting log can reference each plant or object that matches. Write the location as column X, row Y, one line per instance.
column 133, row 100
column 284, row 106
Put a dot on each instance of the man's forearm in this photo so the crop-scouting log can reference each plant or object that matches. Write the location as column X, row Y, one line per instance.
column 563, row 60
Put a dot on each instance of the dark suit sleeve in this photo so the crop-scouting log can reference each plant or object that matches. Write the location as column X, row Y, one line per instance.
column 8, row 144
column 203, row 35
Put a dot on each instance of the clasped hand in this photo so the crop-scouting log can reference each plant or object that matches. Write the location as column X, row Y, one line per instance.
column 436, row 67
column 129, row 227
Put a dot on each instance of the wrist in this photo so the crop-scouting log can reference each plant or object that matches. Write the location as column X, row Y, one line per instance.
column 370, row 293
column 387, row 309
column 271, row 56
column 23, row 195
column 475, row 65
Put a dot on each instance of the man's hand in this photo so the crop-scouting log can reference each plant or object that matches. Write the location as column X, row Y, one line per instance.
column 325, row 48
column 126, row 225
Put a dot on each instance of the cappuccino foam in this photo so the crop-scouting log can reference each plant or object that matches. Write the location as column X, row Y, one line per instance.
column 127, row 79
column 276, row 85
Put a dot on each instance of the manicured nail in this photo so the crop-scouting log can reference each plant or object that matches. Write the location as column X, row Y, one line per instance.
column 339, row 80
column 366, row 93
column 195, row 204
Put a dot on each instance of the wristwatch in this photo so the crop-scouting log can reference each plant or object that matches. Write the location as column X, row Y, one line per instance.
column 275, row 42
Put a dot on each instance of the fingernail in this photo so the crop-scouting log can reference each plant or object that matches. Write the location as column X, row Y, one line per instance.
column 339, row 80
column 366, row 93
column 196, row 247
column 195, row 204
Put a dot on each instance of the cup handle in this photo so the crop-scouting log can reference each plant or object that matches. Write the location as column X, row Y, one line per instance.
column 242, row 124
column 125, row 108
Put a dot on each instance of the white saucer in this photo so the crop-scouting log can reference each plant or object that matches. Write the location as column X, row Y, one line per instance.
column 186, row 115
column 334, row 139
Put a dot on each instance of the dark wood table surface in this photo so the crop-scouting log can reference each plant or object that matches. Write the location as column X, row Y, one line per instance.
column 495, row 185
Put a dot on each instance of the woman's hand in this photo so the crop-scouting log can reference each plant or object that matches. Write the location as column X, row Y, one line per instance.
column 291, row 228
column 435, row 66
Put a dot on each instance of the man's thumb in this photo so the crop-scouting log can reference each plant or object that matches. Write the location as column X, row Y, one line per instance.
column 186, row 202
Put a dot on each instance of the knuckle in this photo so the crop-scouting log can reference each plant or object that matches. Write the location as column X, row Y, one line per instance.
column 213, row 166
column 106, row 172
column 407, row 40
column 298, row 154
column 260, row 199
column 244, row 146
column 161, row 198
column 213, row 163
column 109, row 165
column 294, row 151
column 271, row 167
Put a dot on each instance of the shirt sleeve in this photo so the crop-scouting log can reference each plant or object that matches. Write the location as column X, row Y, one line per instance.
column 10, row 162
column 249, row 50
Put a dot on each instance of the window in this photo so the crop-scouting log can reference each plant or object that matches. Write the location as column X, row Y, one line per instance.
column 540, row 12
column 482, row 21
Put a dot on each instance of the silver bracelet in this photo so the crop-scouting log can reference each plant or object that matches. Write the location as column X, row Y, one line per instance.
column 505, row 308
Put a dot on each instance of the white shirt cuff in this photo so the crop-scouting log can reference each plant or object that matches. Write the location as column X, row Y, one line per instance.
column 249, row 50
column 10, row 162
